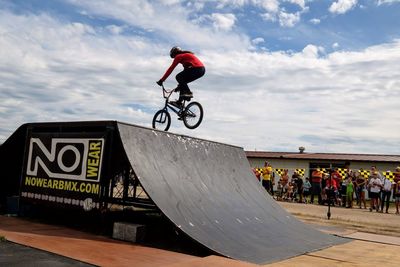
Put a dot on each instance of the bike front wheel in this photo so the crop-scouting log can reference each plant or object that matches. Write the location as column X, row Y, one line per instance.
column 162, row 120
column 192, row 115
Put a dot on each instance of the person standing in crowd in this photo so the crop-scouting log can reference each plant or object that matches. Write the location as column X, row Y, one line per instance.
column 354, row 175
column 284, row 182
column 386, row 193
column 331, row 189
column 256, row 173
column 324, row 194
column 279, row 190
column 272, row 182
column 349, row 192
column 298, row 180
column 293, row 182
column 374, row 170
column 316, row 178
column 343, row 184
column 335, row 175
column 361, row 189
column 343, row 187
column 306, row 189
column 266, row 176
column 290, row 191
column 367, row 179
column 396, row 178
column 294, row 179
column 397, row 195
column 375, row 185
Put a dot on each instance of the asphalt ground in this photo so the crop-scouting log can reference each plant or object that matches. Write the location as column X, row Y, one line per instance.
column 12, row 254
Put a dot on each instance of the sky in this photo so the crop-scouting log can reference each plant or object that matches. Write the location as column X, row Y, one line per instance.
column 280, row 74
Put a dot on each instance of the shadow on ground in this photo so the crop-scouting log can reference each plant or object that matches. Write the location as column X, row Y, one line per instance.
column 160, row 232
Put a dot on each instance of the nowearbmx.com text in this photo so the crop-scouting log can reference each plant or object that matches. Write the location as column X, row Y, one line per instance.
column 76, row 186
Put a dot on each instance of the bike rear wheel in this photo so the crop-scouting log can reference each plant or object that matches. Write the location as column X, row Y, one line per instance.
column 161, row 120
column 192, row 115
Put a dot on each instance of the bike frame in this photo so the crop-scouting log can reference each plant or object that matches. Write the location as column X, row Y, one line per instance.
column 167, row 94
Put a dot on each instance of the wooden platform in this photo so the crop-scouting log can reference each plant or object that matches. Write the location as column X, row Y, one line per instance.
column 99, row 250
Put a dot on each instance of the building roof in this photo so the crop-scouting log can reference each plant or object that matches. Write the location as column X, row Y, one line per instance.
column 323, row 156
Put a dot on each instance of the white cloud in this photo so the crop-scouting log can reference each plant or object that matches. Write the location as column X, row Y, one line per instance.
column 342, row 6
column 257, row 41
column 312, row 51
column 303, row 90
column 275, row 13
column 269, row 17
column 315, row 21
column 272, row 10
column 155, row 16
column 169, row 2
column 335, row 46
column 269, row 5
column 51, row 70
column 288, row 19
column 223, row 22
column 233, row 3
column 115, row 29
column 64, row 71
column 382, row 2
column 301, row 3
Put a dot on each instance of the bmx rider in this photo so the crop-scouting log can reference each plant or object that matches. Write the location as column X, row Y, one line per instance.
column 193, row 69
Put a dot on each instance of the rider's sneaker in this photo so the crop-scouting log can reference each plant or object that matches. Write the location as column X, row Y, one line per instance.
column 177, row 103
column 180, row 115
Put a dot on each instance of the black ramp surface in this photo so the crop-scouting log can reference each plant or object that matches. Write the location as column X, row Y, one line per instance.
column 208, row 190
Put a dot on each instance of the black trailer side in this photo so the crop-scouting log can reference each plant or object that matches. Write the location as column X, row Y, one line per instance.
column 77, row 165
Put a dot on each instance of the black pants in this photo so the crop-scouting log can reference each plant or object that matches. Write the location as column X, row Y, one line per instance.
column 271, row 187
column 385, row 198
column 267, row 185
column 316, row 190
column 188, row 75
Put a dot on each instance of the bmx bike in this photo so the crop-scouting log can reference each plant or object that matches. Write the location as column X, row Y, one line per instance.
column 191, row 114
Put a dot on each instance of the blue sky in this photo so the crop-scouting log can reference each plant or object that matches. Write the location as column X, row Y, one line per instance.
column 280, row 73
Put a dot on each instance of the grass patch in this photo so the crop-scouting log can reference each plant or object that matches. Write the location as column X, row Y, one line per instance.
column 2, row 239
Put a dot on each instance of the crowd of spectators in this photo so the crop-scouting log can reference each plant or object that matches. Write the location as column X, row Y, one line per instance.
column 346, row 189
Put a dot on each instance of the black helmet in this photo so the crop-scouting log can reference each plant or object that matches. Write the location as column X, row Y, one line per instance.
column 174, row 51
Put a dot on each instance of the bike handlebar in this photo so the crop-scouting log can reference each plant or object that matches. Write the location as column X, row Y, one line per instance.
column 167, row 93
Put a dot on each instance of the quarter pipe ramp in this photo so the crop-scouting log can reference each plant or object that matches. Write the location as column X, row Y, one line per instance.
column 208, row 190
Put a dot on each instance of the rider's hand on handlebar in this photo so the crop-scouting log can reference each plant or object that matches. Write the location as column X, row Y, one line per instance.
column 159, row 82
